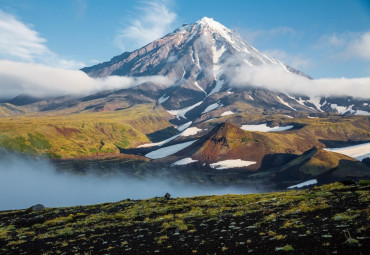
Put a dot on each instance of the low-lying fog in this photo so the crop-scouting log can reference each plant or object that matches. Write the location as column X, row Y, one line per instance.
column 26, row 181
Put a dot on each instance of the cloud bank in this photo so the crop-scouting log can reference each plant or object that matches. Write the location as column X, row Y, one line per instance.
column 276, row 78
column 26, row 181
column 152, row 21
column 42, row 81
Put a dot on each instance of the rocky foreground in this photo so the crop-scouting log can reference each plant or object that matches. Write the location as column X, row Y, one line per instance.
column 331, row 219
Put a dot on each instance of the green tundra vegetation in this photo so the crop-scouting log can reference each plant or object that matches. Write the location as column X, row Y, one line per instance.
column 82, row 134
column 58, row 134
column 330, row 219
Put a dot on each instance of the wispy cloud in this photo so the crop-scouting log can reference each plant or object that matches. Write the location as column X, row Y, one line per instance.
column 347, row 45
column 40, row 80
column 275, row 78
column 80, row 8
column 360, row 47
column 20, row 42
column 152, row 21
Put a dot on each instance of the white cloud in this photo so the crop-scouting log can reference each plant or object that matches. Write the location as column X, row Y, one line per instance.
column 21, row 43
column 347, row 45
column 360, row 47
column 18, row 40
column 153, row 20
column 275, row 78
column 40, row 80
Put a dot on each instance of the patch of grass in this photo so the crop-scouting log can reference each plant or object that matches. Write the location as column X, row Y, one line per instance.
column 287, row 247
column 364, row 182
column 38, row 141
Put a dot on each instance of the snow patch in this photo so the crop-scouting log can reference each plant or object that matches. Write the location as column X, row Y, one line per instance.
column 193, row 34
column 361, row 112
column 231, row 163
column 199, row 87
column 163, row 99
column 285, row 103
column 316, row 102
column 217, row 88
column 184, row 126
column 183, row 161
column 217, row 54
column 191, row 131
column 306, row 183
column 217, row 27
column 342, row 109
column 186, row 132
column 181, row 113
column 212, row 107
column 358, row 152
column 265, row 128
column 227, row 113
column 250, row 97
column 304, row 102
column 288, row 116
column 169, row 150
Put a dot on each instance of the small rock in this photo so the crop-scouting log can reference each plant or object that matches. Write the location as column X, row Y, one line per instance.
column 167, row 196
column 38, row 207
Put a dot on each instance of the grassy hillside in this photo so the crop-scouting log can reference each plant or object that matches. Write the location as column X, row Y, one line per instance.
column 7, row 110
column 63, row 134
column 332, row 219
column 319, row 132
column 228, row 141
column 83, row 134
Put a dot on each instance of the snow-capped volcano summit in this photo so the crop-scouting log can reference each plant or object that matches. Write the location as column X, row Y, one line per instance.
column 204, row 42
column 222, row 37
column 199, row 59
column 192, row 56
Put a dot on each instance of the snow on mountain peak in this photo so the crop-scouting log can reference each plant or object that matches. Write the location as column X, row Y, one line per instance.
column 212, row 24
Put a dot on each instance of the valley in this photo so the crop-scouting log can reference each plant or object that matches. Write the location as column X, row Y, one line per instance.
column 258, row 156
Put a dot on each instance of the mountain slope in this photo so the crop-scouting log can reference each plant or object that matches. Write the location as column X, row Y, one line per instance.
column 283, row 156
column 196, row 57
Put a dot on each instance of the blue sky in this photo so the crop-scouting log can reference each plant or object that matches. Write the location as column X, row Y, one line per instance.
column 324, row 38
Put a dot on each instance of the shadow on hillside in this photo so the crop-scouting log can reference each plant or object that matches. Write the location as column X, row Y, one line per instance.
column 340, row 144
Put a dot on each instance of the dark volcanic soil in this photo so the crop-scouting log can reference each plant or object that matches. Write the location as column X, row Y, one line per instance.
column 331, row 219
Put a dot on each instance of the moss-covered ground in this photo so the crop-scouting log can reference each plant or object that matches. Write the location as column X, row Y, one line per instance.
column 331, row 219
